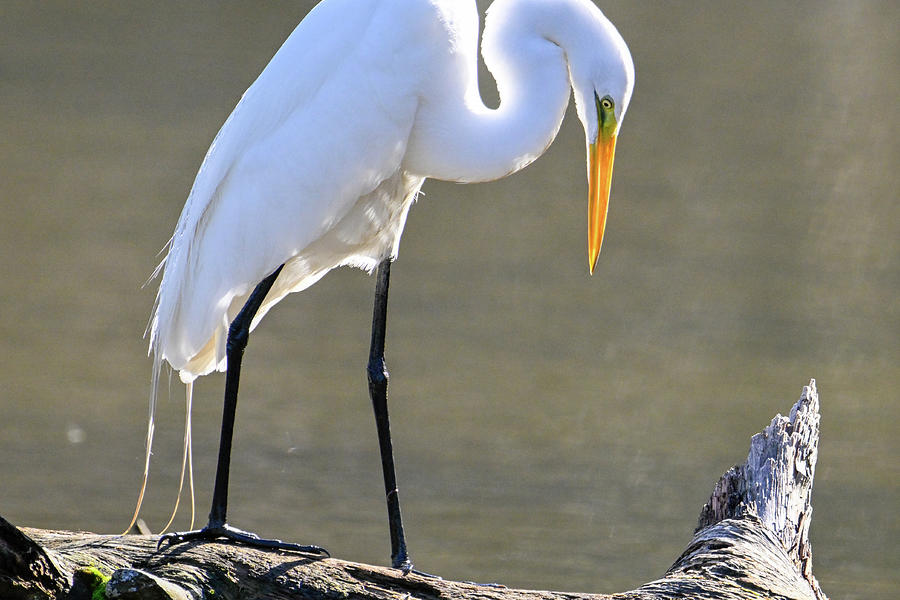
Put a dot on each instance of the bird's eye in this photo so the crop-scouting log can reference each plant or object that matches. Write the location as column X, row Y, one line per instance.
column 606, row 103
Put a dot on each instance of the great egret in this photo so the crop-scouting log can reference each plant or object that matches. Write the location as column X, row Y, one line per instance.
column 327, row 150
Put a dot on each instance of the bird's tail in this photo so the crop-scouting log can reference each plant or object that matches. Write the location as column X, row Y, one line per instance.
column 187, row 460
column 151, row 423
column 187, row 463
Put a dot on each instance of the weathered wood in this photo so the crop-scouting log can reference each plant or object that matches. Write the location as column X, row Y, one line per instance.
column 752, row 541
column 776, row 482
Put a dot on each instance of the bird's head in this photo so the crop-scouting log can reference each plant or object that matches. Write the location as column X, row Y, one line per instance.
column 602, row 77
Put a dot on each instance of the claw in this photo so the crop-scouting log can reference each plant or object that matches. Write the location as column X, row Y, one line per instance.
column 212, row 533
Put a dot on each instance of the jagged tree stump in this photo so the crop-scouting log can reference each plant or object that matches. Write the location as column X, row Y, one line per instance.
column 752, row 541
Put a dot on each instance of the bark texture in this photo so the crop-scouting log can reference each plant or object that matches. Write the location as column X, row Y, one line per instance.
column 752, row 541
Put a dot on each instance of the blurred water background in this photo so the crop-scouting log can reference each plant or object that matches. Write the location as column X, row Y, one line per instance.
column 552, row 430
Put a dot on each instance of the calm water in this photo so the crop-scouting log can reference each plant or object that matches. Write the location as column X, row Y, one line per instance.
column 552, row 430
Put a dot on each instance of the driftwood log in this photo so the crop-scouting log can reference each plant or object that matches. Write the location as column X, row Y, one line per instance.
column 752, row 541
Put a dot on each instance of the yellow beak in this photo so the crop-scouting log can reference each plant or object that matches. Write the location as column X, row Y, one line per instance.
column 600, row 164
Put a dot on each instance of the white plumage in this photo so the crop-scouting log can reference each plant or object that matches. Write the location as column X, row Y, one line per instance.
column 321, row 159
column 324, row 154
column 305, row 170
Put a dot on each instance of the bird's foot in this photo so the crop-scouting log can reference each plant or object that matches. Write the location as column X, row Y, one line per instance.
column 406, row 567
column 404, row 564
column 224, row 531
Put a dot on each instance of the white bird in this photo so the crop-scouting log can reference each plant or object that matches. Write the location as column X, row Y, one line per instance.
column 321, row 159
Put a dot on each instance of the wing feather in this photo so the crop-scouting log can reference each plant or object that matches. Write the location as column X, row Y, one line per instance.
column 307, row 170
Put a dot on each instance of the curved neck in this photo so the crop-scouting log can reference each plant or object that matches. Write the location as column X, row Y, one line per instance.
column 457, row 138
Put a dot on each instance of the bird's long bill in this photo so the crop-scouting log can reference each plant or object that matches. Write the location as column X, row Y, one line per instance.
column 600, row 164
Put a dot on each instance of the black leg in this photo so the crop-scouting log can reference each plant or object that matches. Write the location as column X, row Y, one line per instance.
column 238, row 335
column 378, row 387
